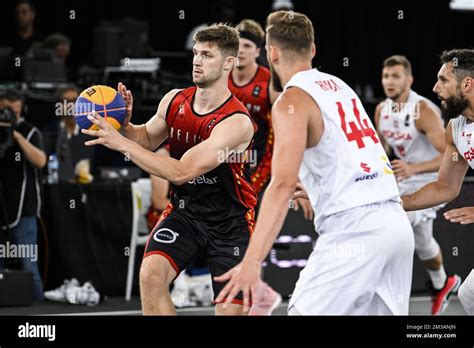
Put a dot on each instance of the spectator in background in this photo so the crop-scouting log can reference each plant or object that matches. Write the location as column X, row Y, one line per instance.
column 63, row 138
column 20, row 187
column 60, row 45
column 26, row 35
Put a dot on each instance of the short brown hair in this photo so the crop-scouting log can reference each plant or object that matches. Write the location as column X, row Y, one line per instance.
column 291, row 30
column 223, row 36
column 252, row 27
column 398, row 60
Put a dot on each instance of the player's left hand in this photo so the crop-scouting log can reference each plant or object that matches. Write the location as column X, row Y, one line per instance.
column 245, row 277
column 403, row 170
column 107, row 135
column 462, row 215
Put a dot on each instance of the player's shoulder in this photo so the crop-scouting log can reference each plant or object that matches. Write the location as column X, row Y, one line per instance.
column 166, row 102
column 380, row 106
column 239, row 122
column 450, row 129
column 457, row 124
column 172, row 94
column 427, row 105
column 294, row 99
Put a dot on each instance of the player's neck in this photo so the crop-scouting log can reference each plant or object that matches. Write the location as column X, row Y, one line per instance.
column 292, row 69
column 209, row 98
column 242, row 76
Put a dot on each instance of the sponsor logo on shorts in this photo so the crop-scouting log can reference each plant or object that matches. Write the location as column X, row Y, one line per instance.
column 165, row 235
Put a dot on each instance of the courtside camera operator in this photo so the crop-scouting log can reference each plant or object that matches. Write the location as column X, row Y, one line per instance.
column 21, row 160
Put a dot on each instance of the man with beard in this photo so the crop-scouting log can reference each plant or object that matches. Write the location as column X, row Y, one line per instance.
column 455, row 88
column 411, row 126
column 362, row 262
column 211, row 201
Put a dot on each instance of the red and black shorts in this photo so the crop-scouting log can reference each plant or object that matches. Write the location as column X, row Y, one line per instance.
column 178, row 238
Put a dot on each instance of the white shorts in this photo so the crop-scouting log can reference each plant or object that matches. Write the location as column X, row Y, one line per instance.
column 361, row 264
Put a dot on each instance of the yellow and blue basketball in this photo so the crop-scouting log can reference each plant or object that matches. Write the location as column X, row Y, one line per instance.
column 105, row 101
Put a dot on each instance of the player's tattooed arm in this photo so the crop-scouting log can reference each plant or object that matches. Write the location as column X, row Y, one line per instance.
column 450, row 179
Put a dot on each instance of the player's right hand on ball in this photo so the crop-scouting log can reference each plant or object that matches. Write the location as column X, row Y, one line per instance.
column 127, row 96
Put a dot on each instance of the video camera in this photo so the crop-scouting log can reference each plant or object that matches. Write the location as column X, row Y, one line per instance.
column 7, row 125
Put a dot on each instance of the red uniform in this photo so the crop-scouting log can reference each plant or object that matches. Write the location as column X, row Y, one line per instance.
column 255, row 96
column 213, row 212
column 224, row 191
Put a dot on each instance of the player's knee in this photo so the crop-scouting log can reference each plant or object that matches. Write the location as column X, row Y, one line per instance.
column 429, row 252
column 156, row 273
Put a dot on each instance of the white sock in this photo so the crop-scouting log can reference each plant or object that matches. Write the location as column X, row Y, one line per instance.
column 438, row 278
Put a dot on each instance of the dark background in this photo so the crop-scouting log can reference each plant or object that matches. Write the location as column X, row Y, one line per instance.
column 366, row 32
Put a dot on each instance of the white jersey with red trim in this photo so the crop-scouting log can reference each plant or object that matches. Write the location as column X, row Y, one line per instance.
column 397, row 126
column 463, row 130
column 348, row 168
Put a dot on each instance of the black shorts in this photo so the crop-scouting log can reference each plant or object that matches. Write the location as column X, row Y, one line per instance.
column 178, row 238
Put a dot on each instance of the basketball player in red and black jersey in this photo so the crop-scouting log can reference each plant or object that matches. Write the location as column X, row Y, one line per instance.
column 250, row 83
column 211, row 200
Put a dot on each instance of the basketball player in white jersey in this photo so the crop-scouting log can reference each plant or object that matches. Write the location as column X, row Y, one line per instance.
column 455, row 88
column 362, row 261
column 411, row 126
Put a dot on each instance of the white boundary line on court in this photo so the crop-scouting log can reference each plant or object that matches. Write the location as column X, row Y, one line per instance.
column 198, row 309
column 131, row 312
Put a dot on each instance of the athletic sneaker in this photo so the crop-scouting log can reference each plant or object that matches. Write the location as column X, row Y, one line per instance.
column 59, row 294
column 440, row 298
column 180, row 293
column 86, row 294
column 266, row 301
column 200, row 289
